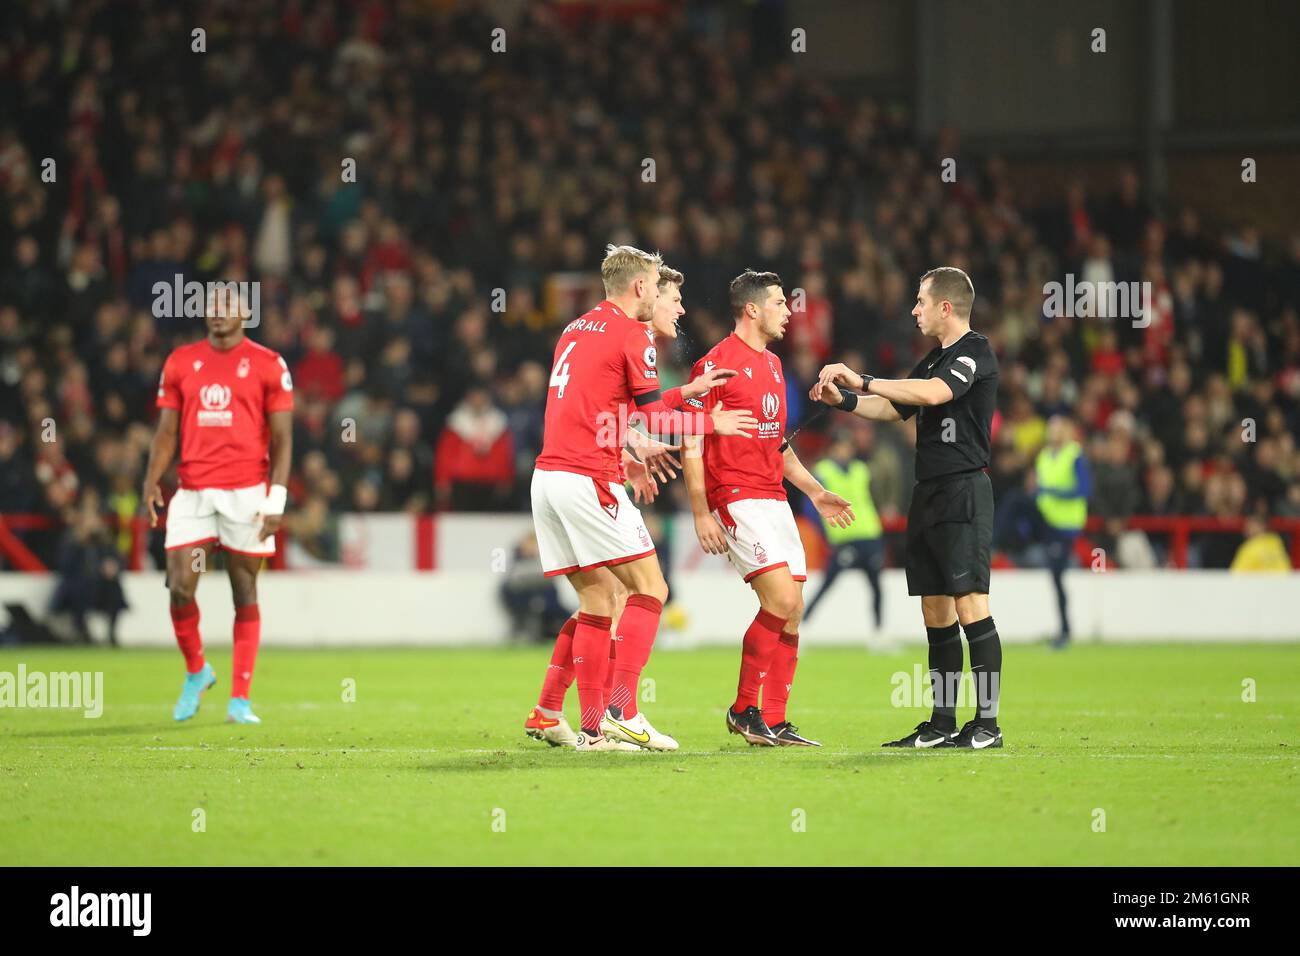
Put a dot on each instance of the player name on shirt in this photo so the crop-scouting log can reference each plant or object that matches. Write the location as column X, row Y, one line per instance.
column 584, row 325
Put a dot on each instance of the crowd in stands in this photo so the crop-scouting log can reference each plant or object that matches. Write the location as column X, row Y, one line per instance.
column 417, row 306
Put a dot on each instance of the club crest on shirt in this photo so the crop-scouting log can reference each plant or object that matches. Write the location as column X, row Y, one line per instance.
column 242, row 371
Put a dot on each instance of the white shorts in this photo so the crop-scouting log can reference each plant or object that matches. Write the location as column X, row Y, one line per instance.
column 583, row 523
column 762, row 536
column 226, row 515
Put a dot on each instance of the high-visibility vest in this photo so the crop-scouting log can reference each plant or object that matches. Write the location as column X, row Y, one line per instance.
column 1056, row 472
column 853, row 484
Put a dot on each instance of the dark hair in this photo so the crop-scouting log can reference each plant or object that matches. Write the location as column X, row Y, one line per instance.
column 947, row 282
column 751, row 286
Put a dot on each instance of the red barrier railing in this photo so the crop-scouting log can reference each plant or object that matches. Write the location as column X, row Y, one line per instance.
column 1179, row 528
column 14, row 551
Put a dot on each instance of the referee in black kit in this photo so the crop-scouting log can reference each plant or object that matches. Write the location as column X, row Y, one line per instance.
column 953, row 391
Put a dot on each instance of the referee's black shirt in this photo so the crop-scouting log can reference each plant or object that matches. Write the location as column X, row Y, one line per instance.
column 954, row 437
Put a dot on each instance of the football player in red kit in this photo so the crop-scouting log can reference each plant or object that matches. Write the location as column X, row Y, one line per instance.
column 230, row 401
column 741, row 509
column 604, row 373
column 651, row 464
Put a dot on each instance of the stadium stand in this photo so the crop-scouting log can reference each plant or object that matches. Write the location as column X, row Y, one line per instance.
column 417, row 306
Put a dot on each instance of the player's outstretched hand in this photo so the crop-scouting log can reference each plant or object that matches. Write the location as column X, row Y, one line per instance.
column 712, row 538
column 836, row 510
column 153, row 500
column 709, row 380
column 827, row 393
column 659, row 459
column 733, row 421
column 644, row 487
column 837, row 374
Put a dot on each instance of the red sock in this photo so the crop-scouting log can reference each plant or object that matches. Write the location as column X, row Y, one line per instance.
column 609, row 667
column 756, row 658
column 780, row 678
column 559, row 673
column 590, row 654
column 248, row 633
column 185, row 622
column 639, row 625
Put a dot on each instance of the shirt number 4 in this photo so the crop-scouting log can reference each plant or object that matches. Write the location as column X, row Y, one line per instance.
column 560, row 374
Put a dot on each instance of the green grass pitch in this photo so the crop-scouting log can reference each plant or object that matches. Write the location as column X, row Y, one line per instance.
column 429, row 765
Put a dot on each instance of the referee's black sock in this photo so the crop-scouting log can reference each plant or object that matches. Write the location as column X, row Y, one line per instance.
column 986, row 668
column 945, row 673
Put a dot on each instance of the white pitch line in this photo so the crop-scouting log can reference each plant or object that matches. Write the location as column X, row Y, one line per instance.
column 883, row 753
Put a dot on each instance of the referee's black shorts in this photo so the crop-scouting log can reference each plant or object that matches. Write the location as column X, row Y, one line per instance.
column 950, row 535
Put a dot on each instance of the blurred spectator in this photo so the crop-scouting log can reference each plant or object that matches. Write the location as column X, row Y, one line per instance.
column 531, row 598
column 473, row 461
column 1262, row 550
column 89, row 569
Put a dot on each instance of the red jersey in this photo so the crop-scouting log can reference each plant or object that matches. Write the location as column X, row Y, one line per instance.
column 603, row 361
column 224, row 399
column 737, row 467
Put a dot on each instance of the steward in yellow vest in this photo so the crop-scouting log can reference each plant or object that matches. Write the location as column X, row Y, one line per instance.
column 859, row 545
column 1063, row 487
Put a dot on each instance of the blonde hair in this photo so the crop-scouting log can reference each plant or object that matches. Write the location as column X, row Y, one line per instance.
column 623, row 265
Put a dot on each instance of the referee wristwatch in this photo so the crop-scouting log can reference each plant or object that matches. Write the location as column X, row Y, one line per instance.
column 866, row 381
